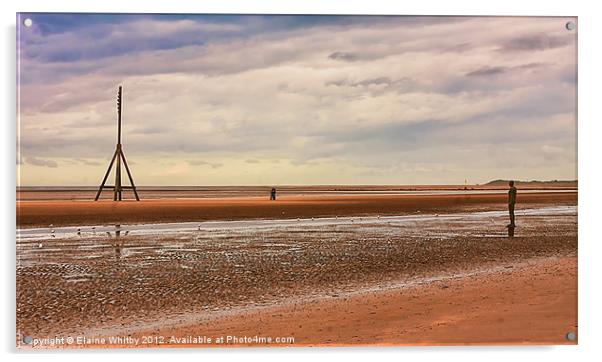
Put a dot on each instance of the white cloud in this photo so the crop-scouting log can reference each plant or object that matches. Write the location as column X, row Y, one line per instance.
column 436, row 89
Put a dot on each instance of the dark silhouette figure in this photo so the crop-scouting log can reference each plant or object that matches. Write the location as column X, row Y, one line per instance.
column 273, row 194
column 511, row 203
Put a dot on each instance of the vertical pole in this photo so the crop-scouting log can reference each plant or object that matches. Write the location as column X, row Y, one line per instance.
column 117, row 194
column 117, row 191
column 119, row 100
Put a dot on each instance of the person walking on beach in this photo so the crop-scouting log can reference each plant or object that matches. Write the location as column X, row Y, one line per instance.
column 273, row 194
column 511, row 203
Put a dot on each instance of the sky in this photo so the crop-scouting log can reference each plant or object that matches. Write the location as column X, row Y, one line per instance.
column 293, row 100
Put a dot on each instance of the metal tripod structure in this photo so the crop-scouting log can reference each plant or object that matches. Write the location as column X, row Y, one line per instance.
column 118, row 157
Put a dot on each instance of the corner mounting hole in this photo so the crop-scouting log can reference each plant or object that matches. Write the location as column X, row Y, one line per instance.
column 570, row 25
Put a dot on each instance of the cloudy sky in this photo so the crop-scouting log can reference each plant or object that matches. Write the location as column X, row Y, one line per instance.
column 268, row 100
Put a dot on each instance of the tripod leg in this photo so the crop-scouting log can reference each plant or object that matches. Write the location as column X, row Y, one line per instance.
column 127, row 169
column 104, row 180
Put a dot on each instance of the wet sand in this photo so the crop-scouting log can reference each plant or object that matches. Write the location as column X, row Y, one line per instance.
column 44, row 213
column 132, row 283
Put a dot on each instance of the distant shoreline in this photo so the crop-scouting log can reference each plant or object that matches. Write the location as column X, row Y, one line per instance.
column 87, row 193
column 494, row 185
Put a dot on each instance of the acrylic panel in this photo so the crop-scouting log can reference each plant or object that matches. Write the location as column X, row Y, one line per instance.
column 199, row 180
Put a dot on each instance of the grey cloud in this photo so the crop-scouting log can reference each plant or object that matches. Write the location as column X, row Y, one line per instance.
column 459, row 48
column 487, row 71
column 532, row 65
column 41, row 162
column 88, row 162
column 365, row 82
column 106, row 40
column 67, row 144
column 404, row 84
column 376, row 81
column 205, row 163
column 102, row 142
column 393, row 139
column 348, row 57
column 303, row 162
column 534, row 42
column 191, row 54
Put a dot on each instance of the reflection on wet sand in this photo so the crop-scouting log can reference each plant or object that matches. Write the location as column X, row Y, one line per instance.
column 158, row 228
column 511, row 231
column 72, row 282
column 118, row 244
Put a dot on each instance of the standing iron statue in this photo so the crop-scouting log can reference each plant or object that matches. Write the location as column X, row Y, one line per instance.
column 511, row 203
column 273, row 194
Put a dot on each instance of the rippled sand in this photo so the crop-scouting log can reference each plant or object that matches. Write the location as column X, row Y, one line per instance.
column 129, row 278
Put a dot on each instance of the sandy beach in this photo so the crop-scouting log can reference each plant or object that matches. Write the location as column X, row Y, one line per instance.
column 325, row 270
column 44, row 213
column 534, row 302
